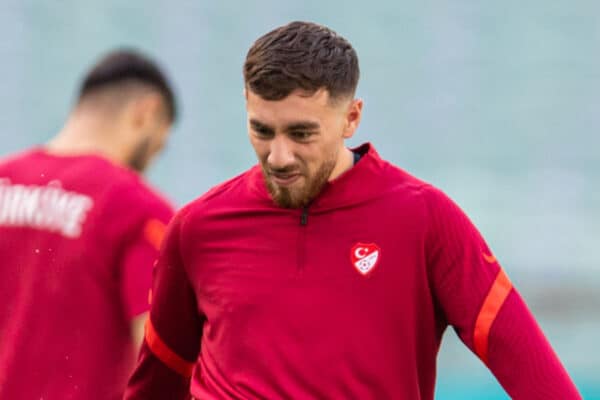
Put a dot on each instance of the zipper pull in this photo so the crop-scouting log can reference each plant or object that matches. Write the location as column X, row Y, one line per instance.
column 304, row 216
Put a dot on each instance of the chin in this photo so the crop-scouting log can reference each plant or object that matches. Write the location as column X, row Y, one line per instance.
column 139, row 166
column 285, row 198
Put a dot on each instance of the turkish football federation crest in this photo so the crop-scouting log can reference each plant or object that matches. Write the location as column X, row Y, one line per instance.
column 364, row 257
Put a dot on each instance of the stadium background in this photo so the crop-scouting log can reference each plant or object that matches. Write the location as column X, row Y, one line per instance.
column 496, row 103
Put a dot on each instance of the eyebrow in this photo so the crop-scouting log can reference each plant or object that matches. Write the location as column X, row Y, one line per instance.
column 260, row 126
column 302, row 126
column 295, row 126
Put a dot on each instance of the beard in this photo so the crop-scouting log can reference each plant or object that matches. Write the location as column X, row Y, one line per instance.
column 140, row 156
column 298, row 197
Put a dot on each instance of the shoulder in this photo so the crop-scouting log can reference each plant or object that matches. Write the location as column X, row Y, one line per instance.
column 121, row 195
column 21, row 157
column 400, row 184
column 137, row 197
column 423, row 198
column 382, row 176
column 135, row 209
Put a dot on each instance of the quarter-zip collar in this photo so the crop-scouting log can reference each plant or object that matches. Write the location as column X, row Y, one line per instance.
column 360, row 183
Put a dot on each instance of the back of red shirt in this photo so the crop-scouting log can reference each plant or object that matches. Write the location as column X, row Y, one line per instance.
column 78, row 237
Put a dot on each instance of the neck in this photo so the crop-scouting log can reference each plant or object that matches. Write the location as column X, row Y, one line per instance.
column 344, row 163
column 86, row 133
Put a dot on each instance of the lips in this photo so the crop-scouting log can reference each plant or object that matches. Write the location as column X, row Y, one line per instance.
column 286, row 179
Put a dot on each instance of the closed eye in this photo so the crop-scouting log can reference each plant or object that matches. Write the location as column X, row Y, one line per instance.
column 261, row 130
column 301, row 135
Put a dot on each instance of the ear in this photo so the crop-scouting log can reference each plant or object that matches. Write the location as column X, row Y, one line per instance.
column 146, row 110
column 352, row 118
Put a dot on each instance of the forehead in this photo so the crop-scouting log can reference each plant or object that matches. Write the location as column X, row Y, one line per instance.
column 297, row 106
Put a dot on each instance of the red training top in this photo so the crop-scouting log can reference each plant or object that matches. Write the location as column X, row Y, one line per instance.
column 78, row 237
column 347, row 299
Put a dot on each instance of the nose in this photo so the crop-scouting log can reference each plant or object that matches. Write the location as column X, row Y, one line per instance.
column 281, row 154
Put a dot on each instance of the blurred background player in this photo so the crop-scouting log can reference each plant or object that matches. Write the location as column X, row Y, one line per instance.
column 324, row 271
column 79, row 233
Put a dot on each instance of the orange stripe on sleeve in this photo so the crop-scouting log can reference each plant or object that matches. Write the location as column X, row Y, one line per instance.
column 489, row 310
column 165, row 354
column 154, row 232
column 489, row 258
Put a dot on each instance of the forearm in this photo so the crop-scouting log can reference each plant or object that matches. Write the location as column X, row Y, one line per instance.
column 152, row 379
column 522, row 359
column 137, row 329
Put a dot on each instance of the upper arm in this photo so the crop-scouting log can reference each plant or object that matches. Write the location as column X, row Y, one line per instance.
column 173, row 329
column 462, row 269
column 491, row 318
column 139, row 255
column 175, row 324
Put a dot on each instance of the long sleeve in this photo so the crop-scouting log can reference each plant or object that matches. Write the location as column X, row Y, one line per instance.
column 479, row 301
column 173, row 331
column 136, row 264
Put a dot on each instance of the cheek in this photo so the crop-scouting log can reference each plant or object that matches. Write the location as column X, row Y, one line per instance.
column 328, row 149
column 310, row 157
column 160, row 139
column 324, row 154
column 160, row 143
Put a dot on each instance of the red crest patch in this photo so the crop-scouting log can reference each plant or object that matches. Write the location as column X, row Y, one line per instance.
column 365, row 256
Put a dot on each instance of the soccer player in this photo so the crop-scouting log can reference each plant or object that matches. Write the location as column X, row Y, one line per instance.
column 79, row 233
column 326, row 272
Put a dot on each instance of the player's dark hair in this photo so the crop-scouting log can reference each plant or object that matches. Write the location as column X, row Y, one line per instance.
column 301, row 55
column 124, row 65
